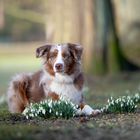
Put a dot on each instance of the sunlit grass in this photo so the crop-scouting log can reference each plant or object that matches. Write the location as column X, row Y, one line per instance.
column 25, row 62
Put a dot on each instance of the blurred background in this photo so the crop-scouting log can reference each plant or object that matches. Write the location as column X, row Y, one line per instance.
column 108, row 30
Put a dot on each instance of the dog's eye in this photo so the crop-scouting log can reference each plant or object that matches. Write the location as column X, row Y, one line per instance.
column 52, row 55
column 66, row 56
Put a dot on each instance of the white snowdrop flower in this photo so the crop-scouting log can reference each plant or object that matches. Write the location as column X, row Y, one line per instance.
column 61, row 114
column 41, row 108
column 27, row 117
column 131, row 101
column 102, row 110
column 107, row 106
column 117, row 101
column 43, row 111
column 122, row 105
column 32, row 115
column 25, row 111
column 31, row 110
column 111, row 98
column 76, row 106
column 50, row 104
column 120, row 99
column 51, row 101
column 108, row 100
column 112, row 102
column 123, row 100
column 50, row 110
column 60, row 97
column 137, row 95
column 56, row 113
column 128, row 97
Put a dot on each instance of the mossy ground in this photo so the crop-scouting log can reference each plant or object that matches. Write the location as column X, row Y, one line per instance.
column 105, row 126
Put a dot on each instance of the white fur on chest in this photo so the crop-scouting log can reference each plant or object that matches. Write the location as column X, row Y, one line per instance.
column 67, row 91
column 63, row 86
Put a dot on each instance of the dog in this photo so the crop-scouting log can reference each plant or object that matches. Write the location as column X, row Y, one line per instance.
column 61, row 75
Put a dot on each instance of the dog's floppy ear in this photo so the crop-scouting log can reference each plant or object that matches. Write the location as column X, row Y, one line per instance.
column 76, row 50
column 43, row 50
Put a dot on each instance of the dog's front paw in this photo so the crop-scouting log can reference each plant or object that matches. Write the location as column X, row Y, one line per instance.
column 96, row 112
column 87, row 110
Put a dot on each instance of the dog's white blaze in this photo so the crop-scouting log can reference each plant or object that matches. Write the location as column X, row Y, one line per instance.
column 59, row 58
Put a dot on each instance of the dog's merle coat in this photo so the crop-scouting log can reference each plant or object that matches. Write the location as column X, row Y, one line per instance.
column 61, row 76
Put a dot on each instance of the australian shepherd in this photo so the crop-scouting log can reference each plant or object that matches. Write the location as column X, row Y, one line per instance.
column 61, row 76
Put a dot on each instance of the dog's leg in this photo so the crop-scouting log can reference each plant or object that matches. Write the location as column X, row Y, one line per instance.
column 17, row 96
column 87, row 110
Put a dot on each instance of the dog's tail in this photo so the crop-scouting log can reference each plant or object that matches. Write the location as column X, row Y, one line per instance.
column 17, row 93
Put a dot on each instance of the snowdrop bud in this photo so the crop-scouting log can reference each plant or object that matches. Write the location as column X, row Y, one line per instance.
column 108, row 100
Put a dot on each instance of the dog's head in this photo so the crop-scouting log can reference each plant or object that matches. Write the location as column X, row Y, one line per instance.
column 60, row 58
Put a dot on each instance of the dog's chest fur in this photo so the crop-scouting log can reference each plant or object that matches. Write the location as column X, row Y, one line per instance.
column 63, row 85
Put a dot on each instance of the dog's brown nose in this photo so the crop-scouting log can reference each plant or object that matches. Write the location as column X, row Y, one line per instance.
column 59, row 66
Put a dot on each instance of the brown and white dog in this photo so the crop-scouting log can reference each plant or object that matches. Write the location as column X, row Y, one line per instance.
column 61, row 76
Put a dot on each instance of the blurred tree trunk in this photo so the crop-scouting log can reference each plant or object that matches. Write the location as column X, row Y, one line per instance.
column 88, row 34
column 109, row 57
column 114, row 56
column 2, row 18
column 63, row 21
column 100, row 45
